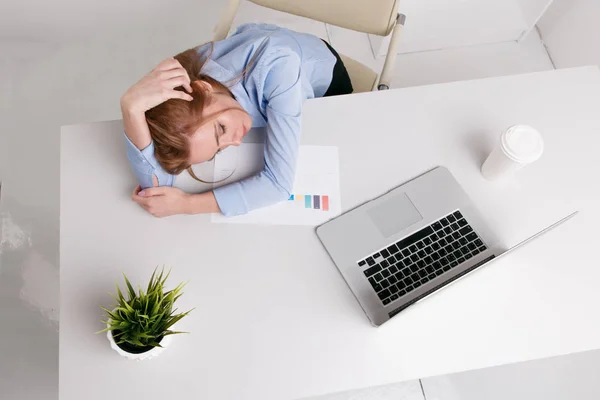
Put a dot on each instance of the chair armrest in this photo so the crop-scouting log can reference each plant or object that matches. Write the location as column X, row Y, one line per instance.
column 390, row 59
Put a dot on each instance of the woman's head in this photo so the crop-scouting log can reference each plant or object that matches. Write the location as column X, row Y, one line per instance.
column 191, row 132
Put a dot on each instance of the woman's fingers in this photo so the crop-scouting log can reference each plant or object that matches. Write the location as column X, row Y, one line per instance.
column 171, row 71
column 178, row 94
column 187, row 87
column 167, row 64
column 138, row 199
column 135, row 196
column 174, row 73
column 179, row 81
column 137, row 189
column 155, row 191
column 144, row 202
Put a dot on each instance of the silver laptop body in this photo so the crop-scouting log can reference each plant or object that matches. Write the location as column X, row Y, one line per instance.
column 400, row 247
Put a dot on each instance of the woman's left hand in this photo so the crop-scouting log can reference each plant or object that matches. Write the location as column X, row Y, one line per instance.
column 161, row 201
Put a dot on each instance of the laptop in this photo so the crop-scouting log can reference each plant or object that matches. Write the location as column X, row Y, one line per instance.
column 403, row 246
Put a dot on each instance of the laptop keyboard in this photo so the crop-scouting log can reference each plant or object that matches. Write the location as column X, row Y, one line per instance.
column 415, row 260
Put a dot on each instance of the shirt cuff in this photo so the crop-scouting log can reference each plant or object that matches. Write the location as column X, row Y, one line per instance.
column 140, row 155
column 146, row 166
column 231, row 200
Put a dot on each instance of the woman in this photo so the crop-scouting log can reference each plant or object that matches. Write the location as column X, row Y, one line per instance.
column 206, row 99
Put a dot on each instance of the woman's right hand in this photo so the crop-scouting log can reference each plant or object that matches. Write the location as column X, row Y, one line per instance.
column 157, row 87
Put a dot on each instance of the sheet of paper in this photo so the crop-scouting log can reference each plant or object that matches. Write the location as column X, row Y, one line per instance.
column 223, row 169
column 316, row 194
column 188, row 184
column 237, row 163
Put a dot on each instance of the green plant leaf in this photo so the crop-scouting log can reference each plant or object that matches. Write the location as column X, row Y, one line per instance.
column 114, row 297
column 151, row 280
column 174, row 320
column 162, row 282
column 167, row 333
column 158, row 279
column 132, row 294
column 157, row 302
column 120, row 294
column 137, row 343
column 112, row 315
column 128, row 309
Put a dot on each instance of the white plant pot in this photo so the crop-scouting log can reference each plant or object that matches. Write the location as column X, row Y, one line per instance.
column 147, row 355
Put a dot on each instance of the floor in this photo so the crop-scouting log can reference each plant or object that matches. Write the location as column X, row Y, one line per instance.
column 44, row 86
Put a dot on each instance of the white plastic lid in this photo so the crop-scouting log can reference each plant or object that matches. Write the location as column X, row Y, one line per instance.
column 522, row 143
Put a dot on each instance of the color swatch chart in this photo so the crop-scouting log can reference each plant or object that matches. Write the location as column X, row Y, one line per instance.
column 315, row 201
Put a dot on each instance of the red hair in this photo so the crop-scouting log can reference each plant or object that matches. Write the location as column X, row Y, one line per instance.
column 172, row 122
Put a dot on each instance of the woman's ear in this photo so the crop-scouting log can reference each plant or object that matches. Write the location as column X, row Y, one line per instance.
column 202, row 86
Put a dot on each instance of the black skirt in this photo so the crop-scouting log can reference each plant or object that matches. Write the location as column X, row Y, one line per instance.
column 340, row 82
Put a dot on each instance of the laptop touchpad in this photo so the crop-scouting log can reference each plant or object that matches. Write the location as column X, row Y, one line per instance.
column 395, row 214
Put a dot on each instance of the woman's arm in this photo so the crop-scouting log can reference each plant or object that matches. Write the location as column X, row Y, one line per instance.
column 282, row 91
column 202, row 203
column 136, row 127
column 153, row 89
column 165, row 201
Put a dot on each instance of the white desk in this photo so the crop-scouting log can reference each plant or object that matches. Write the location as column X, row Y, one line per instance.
column 275, row 320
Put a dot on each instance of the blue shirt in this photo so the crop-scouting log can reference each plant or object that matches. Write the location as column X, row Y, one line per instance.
column 289, row 68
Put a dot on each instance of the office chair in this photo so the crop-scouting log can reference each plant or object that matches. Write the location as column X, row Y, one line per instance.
column 378, row 17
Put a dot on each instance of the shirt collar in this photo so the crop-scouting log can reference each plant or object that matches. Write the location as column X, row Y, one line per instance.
column 216, row 71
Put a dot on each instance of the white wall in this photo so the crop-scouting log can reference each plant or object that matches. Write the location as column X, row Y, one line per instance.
column 571, row 31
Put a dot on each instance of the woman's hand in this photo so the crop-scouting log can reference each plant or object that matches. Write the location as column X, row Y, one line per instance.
column 162, row 201
column 157, row 87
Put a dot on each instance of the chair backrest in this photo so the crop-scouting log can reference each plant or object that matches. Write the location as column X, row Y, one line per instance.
column 369, row 16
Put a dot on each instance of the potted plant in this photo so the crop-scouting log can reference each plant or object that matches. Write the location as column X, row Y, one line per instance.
column 139, row 328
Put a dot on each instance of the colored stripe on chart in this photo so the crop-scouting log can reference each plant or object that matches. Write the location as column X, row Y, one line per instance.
column 317, row 202
column 325, row 205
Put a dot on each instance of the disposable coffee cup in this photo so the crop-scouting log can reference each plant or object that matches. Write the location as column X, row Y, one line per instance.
column 519, row 145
